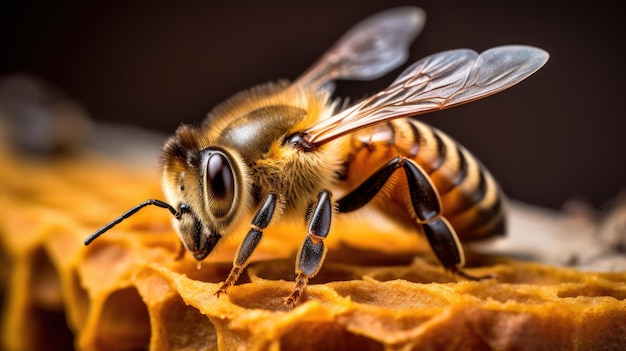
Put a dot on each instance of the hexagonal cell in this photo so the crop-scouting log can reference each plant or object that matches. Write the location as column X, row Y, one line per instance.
column 351, row 255
column 385, row 324
column 592, row 290
column 51, row 330
column 124, row 322
column 41, row 314
column 182, row 327
column 44, row 284
column 79, row 300
column 393, row 294
column 104, row 262
column 502, row 292
column 270, row 295
column 285, row 270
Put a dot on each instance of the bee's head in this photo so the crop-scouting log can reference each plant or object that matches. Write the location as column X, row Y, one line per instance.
column 205, row 185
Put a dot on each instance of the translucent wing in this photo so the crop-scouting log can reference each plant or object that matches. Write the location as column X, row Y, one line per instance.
column 436, row 82
column 370, row 49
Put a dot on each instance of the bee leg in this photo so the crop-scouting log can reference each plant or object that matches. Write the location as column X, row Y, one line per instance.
column 424, row 197
column 260, row 221
column 426, row 204
column 445, row 244
column 447, row 247
column 312, row 253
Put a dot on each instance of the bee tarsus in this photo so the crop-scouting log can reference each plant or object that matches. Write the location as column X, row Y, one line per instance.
column 301, row 281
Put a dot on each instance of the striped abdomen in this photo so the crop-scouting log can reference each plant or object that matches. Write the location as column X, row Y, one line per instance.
column 471, row 199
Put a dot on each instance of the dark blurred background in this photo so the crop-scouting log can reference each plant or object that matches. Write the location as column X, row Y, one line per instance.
column 557, row 136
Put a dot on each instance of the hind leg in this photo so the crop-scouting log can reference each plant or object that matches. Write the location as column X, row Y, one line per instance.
column 426, row 205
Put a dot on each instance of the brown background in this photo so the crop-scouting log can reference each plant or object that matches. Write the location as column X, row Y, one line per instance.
column 557, row 136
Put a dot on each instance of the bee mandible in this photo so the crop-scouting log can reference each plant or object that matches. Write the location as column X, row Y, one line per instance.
column 283, row 151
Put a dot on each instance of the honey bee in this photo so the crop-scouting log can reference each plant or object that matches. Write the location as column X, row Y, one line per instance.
column 284, row 150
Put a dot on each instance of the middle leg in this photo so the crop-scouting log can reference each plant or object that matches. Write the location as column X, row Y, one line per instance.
column 312, row 252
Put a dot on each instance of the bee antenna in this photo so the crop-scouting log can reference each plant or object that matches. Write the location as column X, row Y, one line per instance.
column 129, row 213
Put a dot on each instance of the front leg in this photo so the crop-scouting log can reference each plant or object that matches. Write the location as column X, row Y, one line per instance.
column 260, row 221
column 312, row 253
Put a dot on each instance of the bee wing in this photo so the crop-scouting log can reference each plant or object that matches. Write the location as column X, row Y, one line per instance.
column 369, row 50
column 434, row 83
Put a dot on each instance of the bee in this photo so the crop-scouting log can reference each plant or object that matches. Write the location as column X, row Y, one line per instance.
column 284, row 151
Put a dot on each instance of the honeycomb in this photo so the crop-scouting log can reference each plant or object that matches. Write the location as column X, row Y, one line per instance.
column 380, row 288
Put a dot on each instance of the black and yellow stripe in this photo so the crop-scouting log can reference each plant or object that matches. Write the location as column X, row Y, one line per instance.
column 471, row 199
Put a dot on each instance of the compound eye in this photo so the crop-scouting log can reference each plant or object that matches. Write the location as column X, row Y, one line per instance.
column 221, row 180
